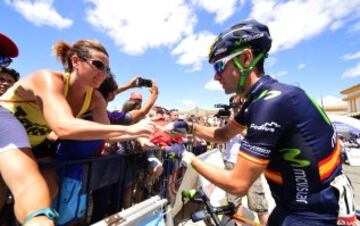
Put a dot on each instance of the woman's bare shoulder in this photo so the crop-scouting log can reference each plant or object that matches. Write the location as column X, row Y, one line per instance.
column 45, row 75
column 44, row 79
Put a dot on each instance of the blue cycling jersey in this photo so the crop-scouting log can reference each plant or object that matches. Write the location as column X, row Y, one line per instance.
column 290, row 133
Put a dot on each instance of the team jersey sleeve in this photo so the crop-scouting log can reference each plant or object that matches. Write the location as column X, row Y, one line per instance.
column 120, row 118
column 266, row 122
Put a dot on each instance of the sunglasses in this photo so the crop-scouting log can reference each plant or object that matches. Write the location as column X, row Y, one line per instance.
column 5, row 61
column 98, row 64
column 219, row 65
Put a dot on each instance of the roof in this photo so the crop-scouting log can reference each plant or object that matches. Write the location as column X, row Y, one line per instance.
column 351, row 89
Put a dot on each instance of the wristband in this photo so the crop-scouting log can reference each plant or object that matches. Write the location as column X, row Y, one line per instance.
column 48, row 212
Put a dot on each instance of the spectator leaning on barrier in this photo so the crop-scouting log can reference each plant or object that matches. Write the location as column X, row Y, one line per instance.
column 150, row 162
column 132, row 112
column 50, row 101
column 289, row 137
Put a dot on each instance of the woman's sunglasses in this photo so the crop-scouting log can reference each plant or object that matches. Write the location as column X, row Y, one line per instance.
column 219, row 65
column 98, row 64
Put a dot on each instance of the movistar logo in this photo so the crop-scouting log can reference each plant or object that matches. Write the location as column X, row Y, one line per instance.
column 290, row 155
column 267, row 95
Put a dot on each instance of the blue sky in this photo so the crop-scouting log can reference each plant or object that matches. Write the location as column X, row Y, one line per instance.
column 316, row 44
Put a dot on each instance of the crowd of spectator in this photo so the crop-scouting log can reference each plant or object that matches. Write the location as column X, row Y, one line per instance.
column 152, row 161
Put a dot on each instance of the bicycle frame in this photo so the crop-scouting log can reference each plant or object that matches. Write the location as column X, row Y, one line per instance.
column 213, row 212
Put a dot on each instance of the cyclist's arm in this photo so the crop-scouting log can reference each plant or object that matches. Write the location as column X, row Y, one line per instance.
column 218, row 134
column 237, row 181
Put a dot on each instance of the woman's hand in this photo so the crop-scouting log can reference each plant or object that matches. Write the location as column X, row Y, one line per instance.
column 146, row 144
column 142, row 128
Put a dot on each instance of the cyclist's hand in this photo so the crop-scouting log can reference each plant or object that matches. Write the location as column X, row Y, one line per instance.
column 179, row 127
column 187, row 158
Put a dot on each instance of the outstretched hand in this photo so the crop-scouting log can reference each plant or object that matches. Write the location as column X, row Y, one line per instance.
column 146, row 144
column 177, row 128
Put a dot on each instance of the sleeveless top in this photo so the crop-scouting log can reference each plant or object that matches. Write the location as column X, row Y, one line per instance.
column 29, row 113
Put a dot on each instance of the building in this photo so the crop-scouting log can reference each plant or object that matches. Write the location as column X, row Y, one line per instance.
column 352, row 97
column 333, row 105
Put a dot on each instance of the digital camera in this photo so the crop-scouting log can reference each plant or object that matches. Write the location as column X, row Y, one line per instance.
column 143, row 82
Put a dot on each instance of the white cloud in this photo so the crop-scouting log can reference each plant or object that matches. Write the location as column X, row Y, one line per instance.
column 40, row 12
column 213, row 85
column 223, row 9
column 351, row 56
column 193, row 50
column 352, row 72
column 331, row 101
column 301, row 66
column 189, row 102
column 138, row 25
column 280, row 74
column 294, row 21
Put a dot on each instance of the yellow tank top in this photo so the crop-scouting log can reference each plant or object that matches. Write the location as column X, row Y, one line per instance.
column 29, row 113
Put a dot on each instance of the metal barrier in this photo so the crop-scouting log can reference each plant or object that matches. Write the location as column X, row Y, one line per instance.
column 108, row 174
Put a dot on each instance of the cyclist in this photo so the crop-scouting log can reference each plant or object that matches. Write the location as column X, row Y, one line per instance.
column 289, row 137
column 48, row 101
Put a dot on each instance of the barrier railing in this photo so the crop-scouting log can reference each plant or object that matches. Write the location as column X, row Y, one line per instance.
column 107, row 174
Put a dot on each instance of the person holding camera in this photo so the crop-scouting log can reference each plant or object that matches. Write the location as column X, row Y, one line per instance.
column 135, row 110
column 289, row 137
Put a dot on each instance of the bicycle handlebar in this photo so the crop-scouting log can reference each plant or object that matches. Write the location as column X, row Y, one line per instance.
column 212, row 211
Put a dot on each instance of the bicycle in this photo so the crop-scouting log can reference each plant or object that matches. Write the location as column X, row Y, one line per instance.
column 199, row 196
column 211, row 212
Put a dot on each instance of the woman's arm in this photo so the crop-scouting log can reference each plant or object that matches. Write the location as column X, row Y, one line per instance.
column 59, row 116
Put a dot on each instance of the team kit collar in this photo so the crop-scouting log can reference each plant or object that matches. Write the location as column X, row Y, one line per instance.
column 258, row 87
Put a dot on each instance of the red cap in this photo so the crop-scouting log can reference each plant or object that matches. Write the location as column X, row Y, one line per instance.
column 135, row 96
column 7, row 47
